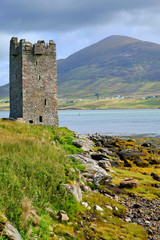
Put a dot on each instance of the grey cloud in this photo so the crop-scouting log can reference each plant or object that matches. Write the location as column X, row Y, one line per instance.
column 75, row 24
column 66, row 15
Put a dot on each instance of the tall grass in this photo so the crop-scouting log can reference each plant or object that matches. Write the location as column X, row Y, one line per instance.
column 33, row 164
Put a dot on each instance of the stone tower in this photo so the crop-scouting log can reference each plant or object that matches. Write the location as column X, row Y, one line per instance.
column 33, row 82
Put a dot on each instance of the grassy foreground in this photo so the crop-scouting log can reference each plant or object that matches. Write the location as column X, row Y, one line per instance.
column 34, row 163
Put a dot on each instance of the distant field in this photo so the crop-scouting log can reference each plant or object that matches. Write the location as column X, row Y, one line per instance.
column 111, row 104
column 4, row 105
column 128, row 103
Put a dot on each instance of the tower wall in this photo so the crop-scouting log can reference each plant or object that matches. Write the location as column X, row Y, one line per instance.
column 15, row 79
column 37, row 84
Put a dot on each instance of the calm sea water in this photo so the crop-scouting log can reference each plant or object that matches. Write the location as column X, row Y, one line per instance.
column 114, row 122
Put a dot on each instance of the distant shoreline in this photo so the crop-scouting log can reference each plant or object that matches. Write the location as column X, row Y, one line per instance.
column 72, row 109
column 101, row 104
column 95, row 109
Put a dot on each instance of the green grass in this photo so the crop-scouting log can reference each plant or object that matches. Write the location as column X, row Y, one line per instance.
column 34, row 163
column 105, row 68
column 32, row 167
column 145, row 188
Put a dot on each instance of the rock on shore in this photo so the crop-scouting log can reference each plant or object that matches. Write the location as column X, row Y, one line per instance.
column 101, row 153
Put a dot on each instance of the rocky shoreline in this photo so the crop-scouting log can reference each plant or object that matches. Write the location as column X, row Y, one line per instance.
column 102, row 154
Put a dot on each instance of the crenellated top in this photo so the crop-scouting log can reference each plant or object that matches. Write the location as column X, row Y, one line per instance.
column 38, row 48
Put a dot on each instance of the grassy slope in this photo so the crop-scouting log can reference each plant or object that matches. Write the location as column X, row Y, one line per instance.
column 33, row 164
column 4, row 91
column 32, row 168
column 115, row 65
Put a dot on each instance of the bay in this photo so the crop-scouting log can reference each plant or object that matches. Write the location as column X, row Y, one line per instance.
column 141, row 122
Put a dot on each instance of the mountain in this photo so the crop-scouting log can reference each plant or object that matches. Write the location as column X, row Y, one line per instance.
column 4, row 91
column 116, row 65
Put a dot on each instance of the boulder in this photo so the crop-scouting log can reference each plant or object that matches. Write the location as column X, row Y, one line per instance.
column 154, row 161
column 107, row 139
column 141, row 163
column 104, row 164
column 84, row 160
column 93, row 172
column 63, row 216
column 98, row 143
column 115, row 162
column 130, row 154
column 128, row 219
column 10, row 232
column 155, row 176
column 85, row 144
column 146, row 144
column 98, row 156
column 110, row 170
column 85, row 188
column 92, row 168
column 101, row 178
column 129, row 183
column 75, row 190
column 85, row 204
column 98, row 208
column 103, row 150
column 111, row 148
column 109, row 207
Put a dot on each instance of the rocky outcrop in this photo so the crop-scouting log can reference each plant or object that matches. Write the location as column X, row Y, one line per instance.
column 112, row 152
column 107, row 152
column 74, row 189
column 104, row 164
column 155, row 176
column 99, row 156
column 8, row 231
column 129, row 183
column 101, row 178
column 130, row 154
column 93, row 173
column 84, row 144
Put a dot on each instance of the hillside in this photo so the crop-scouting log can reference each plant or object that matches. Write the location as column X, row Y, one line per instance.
column 115, row 65
column 4, row 91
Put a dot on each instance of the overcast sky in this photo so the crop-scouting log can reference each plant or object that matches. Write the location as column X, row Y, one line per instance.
column 74, row 24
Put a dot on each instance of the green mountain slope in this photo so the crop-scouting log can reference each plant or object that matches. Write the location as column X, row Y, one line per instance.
column 115, row 65
column 4, row 91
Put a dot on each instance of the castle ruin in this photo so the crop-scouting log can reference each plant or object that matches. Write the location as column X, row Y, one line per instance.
column 33, row 82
